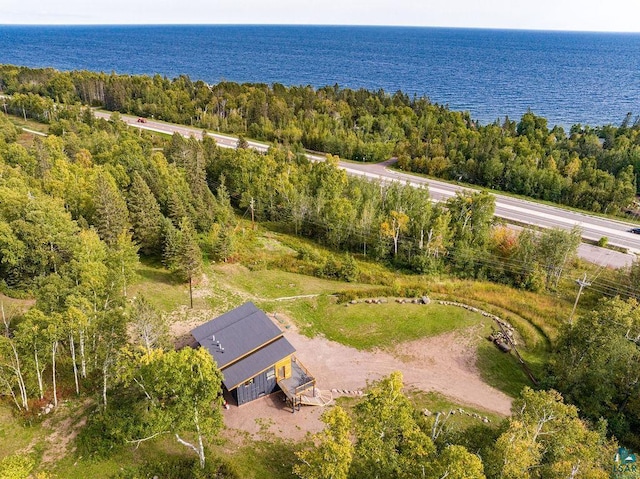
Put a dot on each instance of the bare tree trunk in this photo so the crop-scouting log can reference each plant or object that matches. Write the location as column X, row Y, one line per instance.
column 72, row 348
column 124, row 280
column 104, row 385
column 5, row 321
column 190, row 292
column 11, row 391
column 54, row 350
column 199, row 450
column 18, row 372
column 55, row 267
column 83, row 362
column 38, row 371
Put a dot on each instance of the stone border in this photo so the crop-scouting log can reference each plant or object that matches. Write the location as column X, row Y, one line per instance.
column 504, row 325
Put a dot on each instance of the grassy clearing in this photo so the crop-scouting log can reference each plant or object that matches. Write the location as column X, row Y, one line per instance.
column 269, row 457
column 72, row 467
column 500, row 370
column 269, row 284
column 162, row 289
column 20, row 122
column 367, row 326
column 436, row 402
column 15, row 436
column 14, row 306
column 544, row 313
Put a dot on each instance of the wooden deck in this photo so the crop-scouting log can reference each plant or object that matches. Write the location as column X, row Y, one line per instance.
column 298, row 385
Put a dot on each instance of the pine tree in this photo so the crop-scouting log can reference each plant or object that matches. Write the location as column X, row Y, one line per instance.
column 182, row 253
column 111, row 214
column 145, row 215
column 176, row 207
column 224, row 210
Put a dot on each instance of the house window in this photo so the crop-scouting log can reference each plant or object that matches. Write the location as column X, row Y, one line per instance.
column 271, row 373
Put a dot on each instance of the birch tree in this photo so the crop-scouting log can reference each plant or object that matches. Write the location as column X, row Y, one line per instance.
column 396, row 224
column 31, row 332
column 178, row 393
column 149, row 325
column 11, row 375
column 545, row 439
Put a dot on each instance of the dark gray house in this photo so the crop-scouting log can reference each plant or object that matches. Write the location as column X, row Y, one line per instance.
column 250, row 350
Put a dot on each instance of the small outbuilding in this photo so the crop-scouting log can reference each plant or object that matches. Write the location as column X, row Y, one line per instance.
column 254, row 356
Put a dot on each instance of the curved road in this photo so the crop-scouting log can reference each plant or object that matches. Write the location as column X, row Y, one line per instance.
column 511, row 209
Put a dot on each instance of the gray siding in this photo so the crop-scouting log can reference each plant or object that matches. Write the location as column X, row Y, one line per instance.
column 261, row 386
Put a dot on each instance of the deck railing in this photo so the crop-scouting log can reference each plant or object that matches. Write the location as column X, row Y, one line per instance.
column 310, row 380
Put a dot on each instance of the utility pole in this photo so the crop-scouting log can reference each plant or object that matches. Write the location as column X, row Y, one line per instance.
column 582, row 283
column 252, row 205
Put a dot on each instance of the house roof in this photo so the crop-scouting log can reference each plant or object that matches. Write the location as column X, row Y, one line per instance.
column 244, row 342
column 255, row 363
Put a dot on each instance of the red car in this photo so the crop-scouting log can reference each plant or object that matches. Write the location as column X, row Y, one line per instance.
column 141, row 120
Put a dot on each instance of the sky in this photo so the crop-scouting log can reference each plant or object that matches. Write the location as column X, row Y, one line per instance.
column 581, row 15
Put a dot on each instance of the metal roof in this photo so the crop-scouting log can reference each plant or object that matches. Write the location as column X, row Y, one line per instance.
column 255, row 363
column 244, row 342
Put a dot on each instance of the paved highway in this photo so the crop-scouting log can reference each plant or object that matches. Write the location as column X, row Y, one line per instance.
column 511, row 209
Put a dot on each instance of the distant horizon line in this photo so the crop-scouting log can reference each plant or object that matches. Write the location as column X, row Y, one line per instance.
column 320, row 25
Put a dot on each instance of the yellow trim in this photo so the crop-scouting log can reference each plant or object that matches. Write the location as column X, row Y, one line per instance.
column 285, row 364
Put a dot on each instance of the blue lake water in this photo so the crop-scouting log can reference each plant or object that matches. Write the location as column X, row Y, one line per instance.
column 567, row 77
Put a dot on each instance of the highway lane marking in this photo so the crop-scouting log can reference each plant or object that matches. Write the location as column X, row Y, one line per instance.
column 503, row 206
column 390, row 176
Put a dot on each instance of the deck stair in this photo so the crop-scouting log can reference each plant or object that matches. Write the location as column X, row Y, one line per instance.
column 317, row 398
column 300, row 388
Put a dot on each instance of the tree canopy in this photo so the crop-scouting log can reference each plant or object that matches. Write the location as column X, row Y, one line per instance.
column 593, row 168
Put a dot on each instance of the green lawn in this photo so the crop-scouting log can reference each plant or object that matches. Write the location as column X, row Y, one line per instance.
column 159, row 287
column 500, row 370
column 367, row 326
column 438, row 403
column 269, row 284
column 15, row 435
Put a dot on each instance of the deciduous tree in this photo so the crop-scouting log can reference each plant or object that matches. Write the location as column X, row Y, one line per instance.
column 332, row 451
column 178, row 393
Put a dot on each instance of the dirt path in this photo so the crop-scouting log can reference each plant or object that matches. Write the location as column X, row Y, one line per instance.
column 444, row 363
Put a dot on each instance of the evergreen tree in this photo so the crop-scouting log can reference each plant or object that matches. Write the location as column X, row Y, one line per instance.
column 111, row 214
column 145, row 215
column 183, row 254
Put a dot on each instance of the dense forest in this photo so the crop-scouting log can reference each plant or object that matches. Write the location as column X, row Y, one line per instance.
column 81, row 206
column 594, row 168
